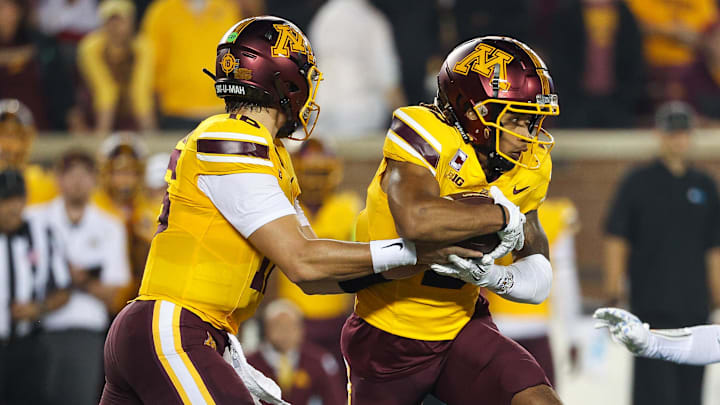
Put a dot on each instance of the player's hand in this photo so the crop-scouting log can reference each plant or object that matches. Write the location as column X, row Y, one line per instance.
column 513, row 236
column 624, row 328
column 430, row 254
column 471, row 271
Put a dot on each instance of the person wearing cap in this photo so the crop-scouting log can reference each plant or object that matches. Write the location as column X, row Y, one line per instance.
column 95, row 244
column 663, row 236
column 33, row 281
column 117, row 68
column 17, row 133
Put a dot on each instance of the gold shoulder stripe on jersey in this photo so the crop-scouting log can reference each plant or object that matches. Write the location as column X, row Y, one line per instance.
column 422, row 146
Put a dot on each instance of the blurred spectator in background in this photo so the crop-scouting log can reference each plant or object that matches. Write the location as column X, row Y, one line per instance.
column 472, row 20
column 415, row 28
column 307, row 374
column 117, row 70
column 300, row 12
column 528, row 324
column 354, row 43
column 31, row 69
column 122, row 170
column 332, row 215
column 672, row 32
column 663, row 233
column 33, row 281
column 184, row 35
column 17, row 133
column 597, row 52
column 155, row 184
column 96, row 249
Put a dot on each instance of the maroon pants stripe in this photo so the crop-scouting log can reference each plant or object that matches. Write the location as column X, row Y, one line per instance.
column 135, row 374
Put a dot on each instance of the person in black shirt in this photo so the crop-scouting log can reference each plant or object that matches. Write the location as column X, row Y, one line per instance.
column 663, row 233
column 33, row 280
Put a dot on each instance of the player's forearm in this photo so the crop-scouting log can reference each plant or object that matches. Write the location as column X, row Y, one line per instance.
column 322, row 260
column 713, row 263
column 528, row 280
column 616, row 251
column 438, row 220
column 699, row 345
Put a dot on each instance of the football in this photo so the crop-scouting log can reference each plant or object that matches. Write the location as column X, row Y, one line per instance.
column 482, row 243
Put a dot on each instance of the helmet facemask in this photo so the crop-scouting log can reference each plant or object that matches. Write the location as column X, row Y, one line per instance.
column 310, row 111
column 540, row 141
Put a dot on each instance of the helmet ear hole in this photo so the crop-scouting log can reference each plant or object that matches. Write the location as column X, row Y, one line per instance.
column 292, row 87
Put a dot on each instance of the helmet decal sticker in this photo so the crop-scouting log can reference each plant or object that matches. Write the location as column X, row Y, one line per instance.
column 229, row 63
column 291, row 40
column 483, row 61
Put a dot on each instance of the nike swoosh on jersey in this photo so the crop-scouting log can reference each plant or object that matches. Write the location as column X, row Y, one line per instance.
column 518, row 191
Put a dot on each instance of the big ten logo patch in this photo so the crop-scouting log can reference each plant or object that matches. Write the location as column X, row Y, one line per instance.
column 455, row 178
column 291, row 40
column 483, row 61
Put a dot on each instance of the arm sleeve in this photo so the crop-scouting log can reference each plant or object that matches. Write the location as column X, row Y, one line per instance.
column 116, row 267
column 619, row 216
column 302, row 218
column 699, row 345
column 528, row 280
column 256, row 199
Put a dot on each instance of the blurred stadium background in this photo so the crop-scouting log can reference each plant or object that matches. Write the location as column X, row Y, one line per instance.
column 88, row 68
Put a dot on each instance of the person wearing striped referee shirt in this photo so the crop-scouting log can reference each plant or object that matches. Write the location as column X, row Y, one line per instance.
column 33, row 280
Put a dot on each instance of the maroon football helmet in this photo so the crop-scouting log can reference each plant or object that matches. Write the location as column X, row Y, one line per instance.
column 269, row 60
column 493, row 76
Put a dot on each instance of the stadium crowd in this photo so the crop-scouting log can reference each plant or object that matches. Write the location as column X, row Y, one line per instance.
column 119, row 69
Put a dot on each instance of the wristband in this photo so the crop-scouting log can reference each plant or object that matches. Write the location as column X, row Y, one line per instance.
column 505, row 222
column 390, row 253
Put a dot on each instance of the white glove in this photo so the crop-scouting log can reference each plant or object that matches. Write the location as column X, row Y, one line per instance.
column 624, row 328
column 513, row 236
column 475, row 272
column 260, row 386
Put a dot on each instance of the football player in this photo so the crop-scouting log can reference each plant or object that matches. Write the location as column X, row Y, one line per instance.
column 430, row 333
column 698, row 345
column 231, row 216
column 17, row 133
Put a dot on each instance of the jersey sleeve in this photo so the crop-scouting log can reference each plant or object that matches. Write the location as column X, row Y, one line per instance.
column 220, row 152
column 407, row 140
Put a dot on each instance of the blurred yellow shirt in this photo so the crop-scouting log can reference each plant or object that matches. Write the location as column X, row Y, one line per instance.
column 334, row 220
column 184, row 44
column 92, row 63
column 41, row 186
column 692, row 15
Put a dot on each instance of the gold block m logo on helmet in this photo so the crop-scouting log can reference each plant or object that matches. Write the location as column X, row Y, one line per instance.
column 291, row 40
column 483, row 61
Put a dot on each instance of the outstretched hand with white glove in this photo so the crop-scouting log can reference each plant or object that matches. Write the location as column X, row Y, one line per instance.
column 624, row 328
column 512, row 237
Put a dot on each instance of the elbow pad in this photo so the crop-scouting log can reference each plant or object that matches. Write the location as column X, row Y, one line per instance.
column 531, row 280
